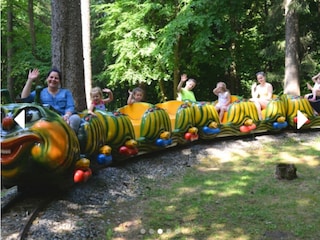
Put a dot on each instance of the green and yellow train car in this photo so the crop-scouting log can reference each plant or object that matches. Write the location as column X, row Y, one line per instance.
column 46, row 152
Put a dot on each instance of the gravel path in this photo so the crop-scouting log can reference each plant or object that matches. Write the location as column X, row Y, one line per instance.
column 87, row 210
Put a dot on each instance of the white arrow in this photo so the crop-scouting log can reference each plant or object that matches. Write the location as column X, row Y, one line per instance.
column 301, row 119
column 21, row 119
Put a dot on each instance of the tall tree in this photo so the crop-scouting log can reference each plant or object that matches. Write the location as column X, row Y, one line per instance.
column 17, row 55
column 85, row 17
column 292, row 63
column 9, row 49
column 67, row 48
column 32, row 27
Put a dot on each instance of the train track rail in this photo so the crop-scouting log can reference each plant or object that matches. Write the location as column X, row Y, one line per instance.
column 25, row 208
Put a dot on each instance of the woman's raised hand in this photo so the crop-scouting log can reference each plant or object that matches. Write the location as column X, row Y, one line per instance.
column 33, row 74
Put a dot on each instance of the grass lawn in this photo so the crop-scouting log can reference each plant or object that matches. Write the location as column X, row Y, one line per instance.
column 234, row 195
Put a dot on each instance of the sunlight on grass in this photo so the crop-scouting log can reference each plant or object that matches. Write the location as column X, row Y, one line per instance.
column 224, row 156
column 236, row 196
column 187, row 190
column 209, row 192
column 125, row 226
column 209, row 183
column 230, row 192
column 222, row 235
column 289, row 157
column 170, row 208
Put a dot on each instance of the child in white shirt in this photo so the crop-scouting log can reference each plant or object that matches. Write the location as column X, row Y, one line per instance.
column 315, row 95
column 224, row 98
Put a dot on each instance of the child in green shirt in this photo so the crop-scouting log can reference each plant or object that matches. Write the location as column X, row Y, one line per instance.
column 186, row 93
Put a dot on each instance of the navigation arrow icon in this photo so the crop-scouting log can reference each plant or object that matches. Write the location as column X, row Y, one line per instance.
column 21, row 119
column 301, row 119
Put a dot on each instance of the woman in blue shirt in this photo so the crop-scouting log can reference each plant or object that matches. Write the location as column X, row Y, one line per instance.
column 59, row 98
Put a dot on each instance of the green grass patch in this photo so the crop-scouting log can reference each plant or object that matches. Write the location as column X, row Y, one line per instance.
column 238, row 197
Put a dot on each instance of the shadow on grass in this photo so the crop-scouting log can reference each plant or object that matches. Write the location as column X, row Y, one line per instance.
column 234, row 195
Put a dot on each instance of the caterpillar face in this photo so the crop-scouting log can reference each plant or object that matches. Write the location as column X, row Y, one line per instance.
column 14, row 140
column 47, row 145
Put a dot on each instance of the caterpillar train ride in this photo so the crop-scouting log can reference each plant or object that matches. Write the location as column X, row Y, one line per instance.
column 47, row 153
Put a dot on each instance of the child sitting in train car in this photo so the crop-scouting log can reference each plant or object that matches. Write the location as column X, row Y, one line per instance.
column 224, row 99
column 261, row 93
column 136, row 95
column 98, row 102
column 315, row 94
column 186, row 93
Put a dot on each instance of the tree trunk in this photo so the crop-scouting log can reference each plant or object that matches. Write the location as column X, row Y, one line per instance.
column 233, row 85
column 9, row 49
column 163, row 96
column 85, row 13
column 291, row 79
column 67, row 49
column 31, row 27
column 176, row 70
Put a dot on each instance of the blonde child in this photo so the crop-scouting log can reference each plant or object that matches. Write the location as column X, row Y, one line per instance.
column 315, row 95
column 224, row 98
column 98, row 102
column 136, row 95
column 261, row 93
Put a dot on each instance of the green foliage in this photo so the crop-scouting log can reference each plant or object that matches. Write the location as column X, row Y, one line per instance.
column 211, row 36
column 145, row 42
column 23, row 58
column 132, row 41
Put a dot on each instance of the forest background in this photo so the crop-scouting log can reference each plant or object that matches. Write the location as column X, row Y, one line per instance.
column 150, row 43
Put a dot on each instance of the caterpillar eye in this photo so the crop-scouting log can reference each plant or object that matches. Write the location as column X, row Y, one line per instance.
column 32, row 114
